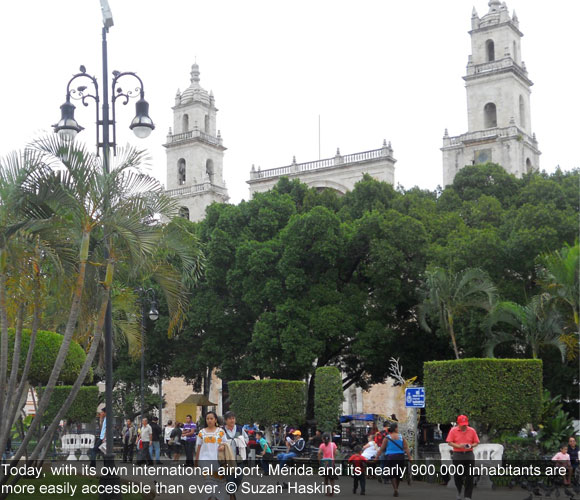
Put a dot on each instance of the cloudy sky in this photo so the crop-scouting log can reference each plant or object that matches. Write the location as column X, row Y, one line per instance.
column 372, row 70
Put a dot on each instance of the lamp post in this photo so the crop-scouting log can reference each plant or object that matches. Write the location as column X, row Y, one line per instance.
column 68, row 127
column 148, row 301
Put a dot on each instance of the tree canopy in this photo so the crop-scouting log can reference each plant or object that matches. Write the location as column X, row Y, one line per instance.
column 298, row 278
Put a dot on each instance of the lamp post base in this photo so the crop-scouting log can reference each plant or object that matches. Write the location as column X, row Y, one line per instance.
column 109, row 478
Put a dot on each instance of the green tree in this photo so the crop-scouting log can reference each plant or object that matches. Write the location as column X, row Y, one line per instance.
column 450, row 294
column 328, row 397
column 560, row 277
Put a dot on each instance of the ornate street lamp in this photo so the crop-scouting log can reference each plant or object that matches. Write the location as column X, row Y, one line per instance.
column 67, row 126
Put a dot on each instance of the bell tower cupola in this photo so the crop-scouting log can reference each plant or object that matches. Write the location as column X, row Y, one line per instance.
column 498, row 99
column 195, row 151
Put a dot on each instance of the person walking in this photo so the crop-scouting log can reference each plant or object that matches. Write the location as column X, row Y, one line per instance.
column 573, row 452
column 395, row 447
column 99, row 441
column 326, row 455
column 155, row 446
column 167, row 436
column 265, row 453
column 188, row 439
column 129, row 438
column 358, row 463
column 146, row 432
column 379, row 441
column 237, row 439
column 175, row 442
column 463, row 439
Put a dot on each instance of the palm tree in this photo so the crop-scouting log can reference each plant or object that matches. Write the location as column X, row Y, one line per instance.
column 534, row 325
column 67, row 194
column 450, row 294
column 559, row 275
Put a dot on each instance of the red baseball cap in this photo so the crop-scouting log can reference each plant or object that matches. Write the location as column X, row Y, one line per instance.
column 462, row 420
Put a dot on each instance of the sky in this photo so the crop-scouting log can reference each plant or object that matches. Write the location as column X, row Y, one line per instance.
column 372, row 70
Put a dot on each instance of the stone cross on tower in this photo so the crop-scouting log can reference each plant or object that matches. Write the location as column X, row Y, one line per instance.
column 498, row 100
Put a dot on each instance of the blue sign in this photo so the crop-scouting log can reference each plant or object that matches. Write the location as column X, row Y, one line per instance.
column 415, row 397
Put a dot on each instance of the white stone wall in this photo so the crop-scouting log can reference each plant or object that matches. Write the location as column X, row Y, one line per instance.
column 511, row 153
column 503, row 37
column 504, row 90
column 195, row 153
column 341, row 178
column 196, row 112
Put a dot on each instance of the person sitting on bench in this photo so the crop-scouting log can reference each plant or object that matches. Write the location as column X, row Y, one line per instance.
column 296, row 449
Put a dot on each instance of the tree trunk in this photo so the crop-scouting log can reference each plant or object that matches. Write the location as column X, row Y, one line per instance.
column 67, row 338
column 310, row 400
column 83, row 373
column 4, row 334
column 452, row 333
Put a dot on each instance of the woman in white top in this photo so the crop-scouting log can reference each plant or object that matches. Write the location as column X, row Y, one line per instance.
column 209, row 441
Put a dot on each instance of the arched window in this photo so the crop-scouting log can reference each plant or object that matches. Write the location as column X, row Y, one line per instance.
column 184, row 212
column 489, row 115
column 528, row 165
column 522, row 113
column 206, row 124
column 209, row 170
column 185, row 123
column 490, row 50
column 181, row 171
column 515, row 51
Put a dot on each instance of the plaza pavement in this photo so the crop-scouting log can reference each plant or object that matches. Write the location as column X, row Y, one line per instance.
column 374, row 490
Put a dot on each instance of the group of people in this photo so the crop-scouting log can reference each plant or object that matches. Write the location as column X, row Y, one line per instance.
column 206, row 446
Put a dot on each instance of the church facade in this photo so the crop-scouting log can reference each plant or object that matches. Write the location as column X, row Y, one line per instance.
column 339, row 173
column 498, row 100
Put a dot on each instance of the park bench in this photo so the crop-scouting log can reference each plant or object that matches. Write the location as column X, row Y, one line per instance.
column 484, row 453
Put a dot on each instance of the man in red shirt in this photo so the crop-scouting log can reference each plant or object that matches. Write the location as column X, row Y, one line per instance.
column 463, row 439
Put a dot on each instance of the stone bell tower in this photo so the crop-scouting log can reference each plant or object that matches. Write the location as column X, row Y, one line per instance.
column 195, row 151
column 498, row 100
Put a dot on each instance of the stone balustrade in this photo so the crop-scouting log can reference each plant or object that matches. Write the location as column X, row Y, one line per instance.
column 194, row 134
column 336, row 161
column 196, row 189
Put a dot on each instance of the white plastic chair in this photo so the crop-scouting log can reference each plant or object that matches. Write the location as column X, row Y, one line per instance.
column 70, row 444
column 86, row 442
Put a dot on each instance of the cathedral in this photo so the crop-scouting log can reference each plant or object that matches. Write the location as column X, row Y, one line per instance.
column 498, row 100
column 499, row 131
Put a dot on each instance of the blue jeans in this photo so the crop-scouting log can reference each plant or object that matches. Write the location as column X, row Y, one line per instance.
column 284, row 458
column 154, row 449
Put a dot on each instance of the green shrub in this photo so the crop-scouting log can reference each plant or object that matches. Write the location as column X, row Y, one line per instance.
column 268, row 402
column 328, row 397
column 495, row 393
column 83, row 409
column 44, row 356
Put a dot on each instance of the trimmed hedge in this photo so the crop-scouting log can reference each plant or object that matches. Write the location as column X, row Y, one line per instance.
column 268, row 401
column 495, row 393
column 44, row 356
column 83, row 409
column 328, row 397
